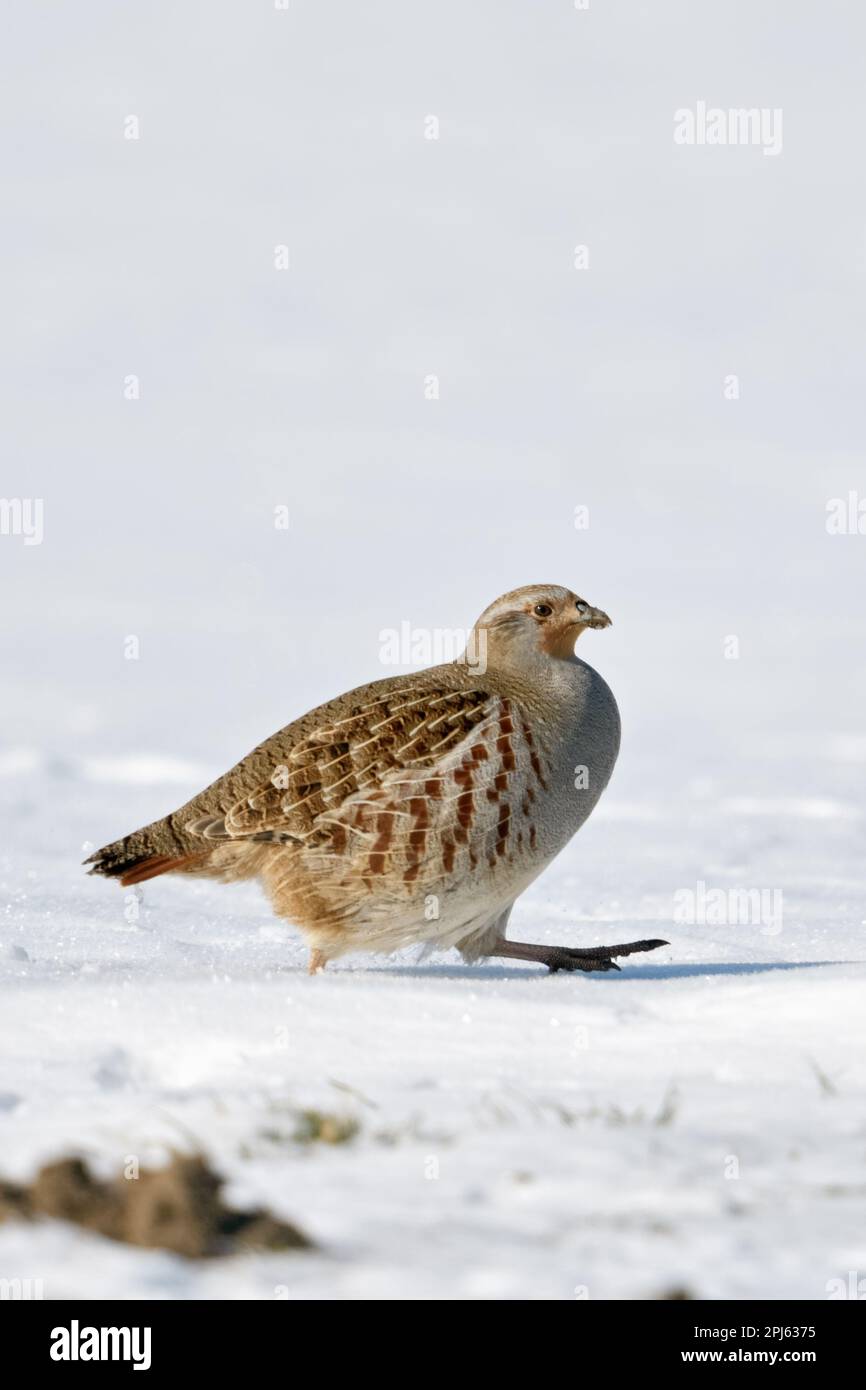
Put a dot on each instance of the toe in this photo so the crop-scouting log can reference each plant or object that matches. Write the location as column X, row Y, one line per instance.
column 576, row 960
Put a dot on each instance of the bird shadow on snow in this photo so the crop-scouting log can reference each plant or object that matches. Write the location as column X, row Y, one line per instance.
column 738, row 967
column 653, row 972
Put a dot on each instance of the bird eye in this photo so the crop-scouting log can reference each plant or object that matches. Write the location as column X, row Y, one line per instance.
column 581, row 606
column 542, row 610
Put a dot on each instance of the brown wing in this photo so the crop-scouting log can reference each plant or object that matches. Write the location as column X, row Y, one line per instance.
column 411, row 727
column 408, row 785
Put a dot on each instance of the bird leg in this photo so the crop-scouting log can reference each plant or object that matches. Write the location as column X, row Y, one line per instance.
column 318, row 961
column 568, row 957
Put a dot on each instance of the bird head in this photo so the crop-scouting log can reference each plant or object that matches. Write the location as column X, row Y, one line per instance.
column 543, row 619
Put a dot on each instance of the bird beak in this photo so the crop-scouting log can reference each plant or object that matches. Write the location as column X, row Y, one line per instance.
column 596, row 617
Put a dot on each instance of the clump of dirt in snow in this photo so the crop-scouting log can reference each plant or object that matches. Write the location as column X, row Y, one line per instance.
column 178, row 1208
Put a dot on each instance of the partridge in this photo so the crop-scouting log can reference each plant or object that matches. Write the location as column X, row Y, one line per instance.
column 415, row 809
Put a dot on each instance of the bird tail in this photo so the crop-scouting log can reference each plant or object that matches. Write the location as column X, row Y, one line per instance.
column 140, row 856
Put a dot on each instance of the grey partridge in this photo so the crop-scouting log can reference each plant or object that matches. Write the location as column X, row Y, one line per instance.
column 415, row 809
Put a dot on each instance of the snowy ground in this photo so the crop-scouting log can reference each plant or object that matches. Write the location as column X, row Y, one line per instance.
column 696, row 1121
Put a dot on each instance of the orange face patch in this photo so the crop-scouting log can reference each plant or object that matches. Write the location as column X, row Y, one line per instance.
column 558, row 638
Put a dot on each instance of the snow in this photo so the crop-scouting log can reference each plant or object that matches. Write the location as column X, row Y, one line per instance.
column 697, row 1120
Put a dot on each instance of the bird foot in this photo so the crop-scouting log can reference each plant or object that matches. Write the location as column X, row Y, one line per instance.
column 593, row 957
column 318, row 961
